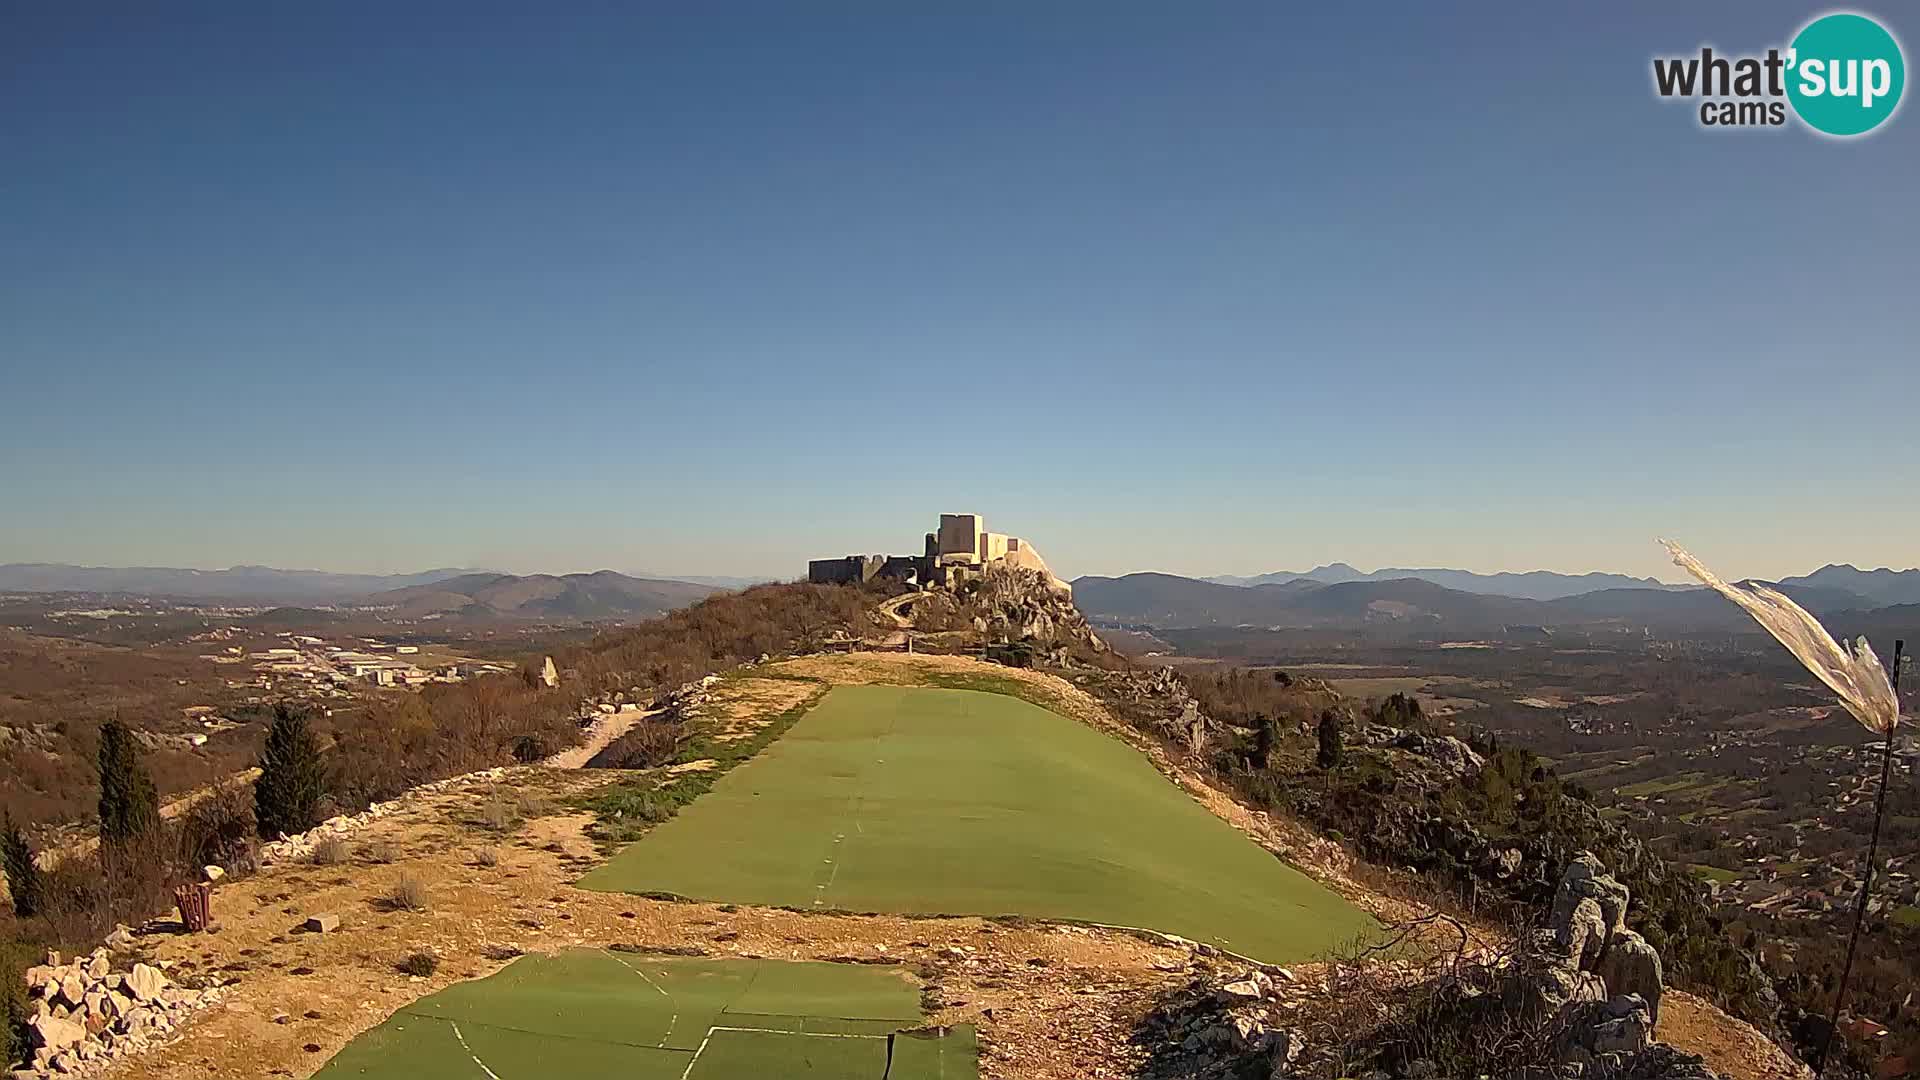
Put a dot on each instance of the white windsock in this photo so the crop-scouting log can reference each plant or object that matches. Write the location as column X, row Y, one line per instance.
column 1853, row 673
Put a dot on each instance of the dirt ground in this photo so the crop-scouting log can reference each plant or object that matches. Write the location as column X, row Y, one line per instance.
column 1049, row 1001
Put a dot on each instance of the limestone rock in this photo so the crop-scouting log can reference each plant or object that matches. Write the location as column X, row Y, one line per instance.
column 73, row 990
column 1584, row 934
column 324, row 923
column 145, row 982
column 1239, row 991
column 1631, row 966
column 1585, row 878
column 54, row 1034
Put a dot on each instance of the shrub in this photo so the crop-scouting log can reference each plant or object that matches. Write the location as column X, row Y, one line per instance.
column 409, row 893
column 380, row 851
column 332, row 851
column 84, row 896
column 219, row 831
column 646, row 745
column 497, row 814
column 129, row 803
column 293, row 776
column 23, row 876
column 420, row 963
column 15, row 958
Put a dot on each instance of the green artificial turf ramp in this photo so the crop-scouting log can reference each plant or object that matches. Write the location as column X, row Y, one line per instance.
column 605, row 1013
column 928, row 801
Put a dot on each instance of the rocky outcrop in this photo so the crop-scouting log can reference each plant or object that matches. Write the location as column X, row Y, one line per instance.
column 1590, row 935
column 1009, row 604
column 84, row 1015
column 1224, row 1025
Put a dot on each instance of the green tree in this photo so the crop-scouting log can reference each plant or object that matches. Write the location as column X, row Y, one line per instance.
column 1264, row 736
column 1331, row 747
column 23, row 877
column 293, row 777
column 129, row 803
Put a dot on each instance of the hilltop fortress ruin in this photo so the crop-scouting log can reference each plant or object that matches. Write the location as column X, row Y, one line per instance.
column 960, row 550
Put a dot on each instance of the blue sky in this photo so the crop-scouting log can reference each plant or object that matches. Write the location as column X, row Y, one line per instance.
column 1203, row 288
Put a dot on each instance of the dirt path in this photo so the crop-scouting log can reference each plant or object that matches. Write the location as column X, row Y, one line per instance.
column 608, row 729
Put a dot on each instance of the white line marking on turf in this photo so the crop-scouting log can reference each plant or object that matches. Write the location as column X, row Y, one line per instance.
column 675, row 1018
column 469, row 1050
column 763, row 1031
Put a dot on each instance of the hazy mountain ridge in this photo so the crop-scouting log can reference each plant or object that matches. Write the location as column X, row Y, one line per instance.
column 238, row 583
column 1883, row 586
column 600, row 595
column 1529, row 585
column 1169, row 601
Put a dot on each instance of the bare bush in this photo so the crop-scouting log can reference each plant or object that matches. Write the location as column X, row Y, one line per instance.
column 497, row 814
column 219, row 831
column 409, row 893
column 380, row 852
column 420, row 964
column 332, row 851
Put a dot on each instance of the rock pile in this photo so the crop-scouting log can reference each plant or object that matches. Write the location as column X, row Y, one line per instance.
column 1224, row 1026
column 289, row 848
column 682, row 702
column 84, row 1015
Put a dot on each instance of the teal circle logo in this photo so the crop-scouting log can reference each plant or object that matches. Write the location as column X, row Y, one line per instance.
column 1845, row 74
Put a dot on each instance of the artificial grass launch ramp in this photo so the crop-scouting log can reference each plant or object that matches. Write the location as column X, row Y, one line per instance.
column 958, row 802
column 592, row 1013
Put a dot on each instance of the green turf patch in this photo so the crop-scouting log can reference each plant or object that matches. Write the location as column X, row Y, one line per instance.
column 641, row 1017
column 937, row 801
column 1714, row 873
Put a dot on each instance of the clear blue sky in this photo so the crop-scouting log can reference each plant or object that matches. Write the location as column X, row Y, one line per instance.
column 1205, row 288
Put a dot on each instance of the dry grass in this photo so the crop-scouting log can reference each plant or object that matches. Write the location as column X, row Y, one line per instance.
column 409, row 893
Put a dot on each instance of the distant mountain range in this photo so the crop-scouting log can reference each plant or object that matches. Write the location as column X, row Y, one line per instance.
column 1878, row 588
column 1167, row 601
column 602, row 595
column 1882, row 586
column 239, row 583
column 1532, row 585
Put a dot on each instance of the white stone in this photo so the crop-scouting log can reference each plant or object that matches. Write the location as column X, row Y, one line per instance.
column 145, row 983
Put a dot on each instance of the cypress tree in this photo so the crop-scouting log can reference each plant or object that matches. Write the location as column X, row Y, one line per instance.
column 23, row 877
column 129, row 803
column 293, row 777
column 1263, row 740
column 1330, row 743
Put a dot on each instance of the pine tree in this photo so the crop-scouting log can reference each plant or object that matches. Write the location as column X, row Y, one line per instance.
column 129, row 803
column 23, row 877
column 1330, row 743
column 293, row 777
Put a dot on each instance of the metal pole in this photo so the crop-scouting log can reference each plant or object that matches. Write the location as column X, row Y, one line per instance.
column 1866, row 878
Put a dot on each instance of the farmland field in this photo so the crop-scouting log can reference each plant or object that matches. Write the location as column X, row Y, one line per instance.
column 593, row 1012
column 936, row 801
